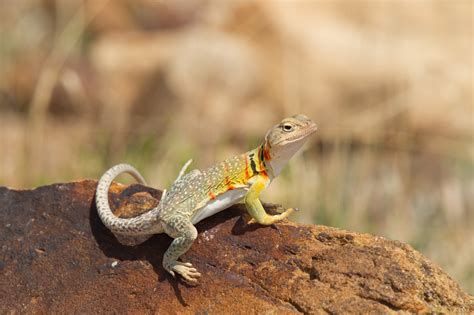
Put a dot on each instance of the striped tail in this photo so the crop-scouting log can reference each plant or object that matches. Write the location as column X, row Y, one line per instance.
column 144, row 224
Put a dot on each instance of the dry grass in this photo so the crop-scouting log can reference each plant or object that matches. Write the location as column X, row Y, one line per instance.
column 88, row 84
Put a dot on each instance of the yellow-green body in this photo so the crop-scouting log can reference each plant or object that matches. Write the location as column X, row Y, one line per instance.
column 200, row 194
column 218, row 187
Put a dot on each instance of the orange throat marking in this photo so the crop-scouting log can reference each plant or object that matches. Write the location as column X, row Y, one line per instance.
column 266, row 153
column 264, row 158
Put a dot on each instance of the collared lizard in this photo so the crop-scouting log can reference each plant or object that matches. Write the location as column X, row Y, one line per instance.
column 201, row 193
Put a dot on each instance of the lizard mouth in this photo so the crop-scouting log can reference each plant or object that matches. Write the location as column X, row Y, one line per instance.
column 310, row 129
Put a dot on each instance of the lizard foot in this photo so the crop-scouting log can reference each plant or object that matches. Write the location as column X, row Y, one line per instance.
column 270, row 219
column 185, row 270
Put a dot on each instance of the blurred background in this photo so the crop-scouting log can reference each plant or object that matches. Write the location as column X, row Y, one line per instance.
column 86, row 84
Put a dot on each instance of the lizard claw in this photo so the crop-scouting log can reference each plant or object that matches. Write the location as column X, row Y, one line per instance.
column 248, row 219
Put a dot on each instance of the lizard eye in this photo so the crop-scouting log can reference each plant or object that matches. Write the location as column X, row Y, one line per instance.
column 287, row 127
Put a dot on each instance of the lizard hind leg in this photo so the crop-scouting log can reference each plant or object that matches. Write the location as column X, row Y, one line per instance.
column 184, row 234
column 183, row 169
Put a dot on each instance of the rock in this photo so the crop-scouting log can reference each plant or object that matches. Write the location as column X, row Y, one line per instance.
column 56, row 257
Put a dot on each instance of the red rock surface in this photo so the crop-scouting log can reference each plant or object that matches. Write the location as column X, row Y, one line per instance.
column 57, row 257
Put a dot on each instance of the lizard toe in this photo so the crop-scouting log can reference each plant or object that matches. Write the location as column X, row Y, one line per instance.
column 189, row 273
column 251, row 221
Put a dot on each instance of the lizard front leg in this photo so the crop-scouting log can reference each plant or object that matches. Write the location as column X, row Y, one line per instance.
column 184, row 234
column 255, row 208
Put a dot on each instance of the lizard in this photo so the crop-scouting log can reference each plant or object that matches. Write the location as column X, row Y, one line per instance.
column 199, row 194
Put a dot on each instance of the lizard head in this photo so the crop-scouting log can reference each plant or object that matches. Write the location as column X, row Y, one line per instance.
column 283, row 140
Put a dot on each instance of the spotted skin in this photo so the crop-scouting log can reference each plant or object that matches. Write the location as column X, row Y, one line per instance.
column 199, row 194
column 144, row 224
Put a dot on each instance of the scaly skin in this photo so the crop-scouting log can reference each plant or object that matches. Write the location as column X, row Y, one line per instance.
column 198, row 194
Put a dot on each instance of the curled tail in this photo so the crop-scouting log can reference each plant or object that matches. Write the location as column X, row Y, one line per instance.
column 144, row 224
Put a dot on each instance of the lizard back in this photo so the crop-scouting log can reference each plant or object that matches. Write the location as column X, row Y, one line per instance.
column 224, row 183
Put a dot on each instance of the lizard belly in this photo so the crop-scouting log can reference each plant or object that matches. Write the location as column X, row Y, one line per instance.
column 218, row 204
